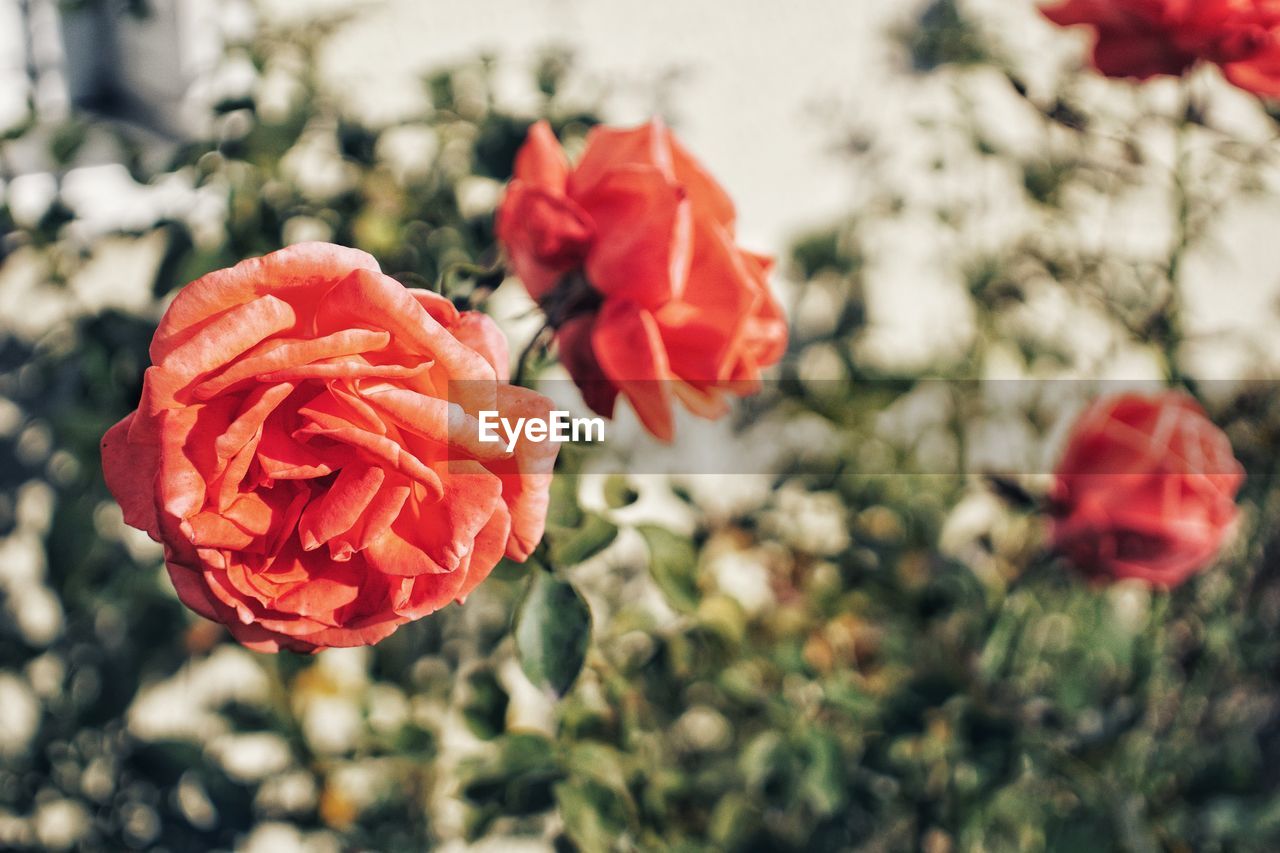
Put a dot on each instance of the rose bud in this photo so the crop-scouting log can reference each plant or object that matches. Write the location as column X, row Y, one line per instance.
column 631, row 255
column 1145, row 489
column 1146, row 38
column 296, row 453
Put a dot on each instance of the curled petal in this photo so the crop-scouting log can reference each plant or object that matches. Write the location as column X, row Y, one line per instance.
column 434, row 537
column 340, row 507
column 479, row 332
column 130, row 472
column 282, row 355
column 302, row 268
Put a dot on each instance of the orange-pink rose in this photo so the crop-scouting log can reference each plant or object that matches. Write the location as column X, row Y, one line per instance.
column 1145, row 489
column 1145, row 38
column 303, row 450
column 632, row 255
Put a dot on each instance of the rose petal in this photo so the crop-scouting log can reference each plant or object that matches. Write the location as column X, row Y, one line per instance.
column 526, row 477
column 577, row 354
column 629, row 348
column 229, row 335
column 644, row 236
column 434, row 537
column 303, row 267
column 340, row 506
column 479, row 332
column 490, row 545
column 283, row 354
column 612, row 148
column 540, row 160
column 130, row 472
column 546, row 235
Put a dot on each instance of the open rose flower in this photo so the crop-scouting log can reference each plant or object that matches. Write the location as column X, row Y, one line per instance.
column 1145, row 489
column 305, row 450
column 1145, row 38
column 632, row 256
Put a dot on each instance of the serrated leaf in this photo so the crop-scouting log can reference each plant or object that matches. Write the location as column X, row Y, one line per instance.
column 673, row 562
column 552, row 631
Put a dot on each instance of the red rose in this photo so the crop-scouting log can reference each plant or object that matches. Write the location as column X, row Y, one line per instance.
column 1145, row 489
column 631, row 254
column 295, row 452
column 1143, row 38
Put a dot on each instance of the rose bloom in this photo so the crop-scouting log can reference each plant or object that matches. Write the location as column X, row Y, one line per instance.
column 298, row 452
column 1144, row 38
column 1145, row 489
column 631, row 254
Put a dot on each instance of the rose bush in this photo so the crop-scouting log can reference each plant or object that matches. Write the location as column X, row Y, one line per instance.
column 1145, row 38
column 297, row 452
column 1145, row 489
column 631, row 254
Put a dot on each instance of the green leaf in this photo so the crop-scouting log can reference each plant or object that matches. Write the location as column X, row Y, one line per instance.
column 673, row 562
column 552, row 631
column 618, row 492
column 486, row 707
column 599, row 763
column 595, row 817
column 582, row 544
column 563, row 511
column 517, row 780
column 822, row 785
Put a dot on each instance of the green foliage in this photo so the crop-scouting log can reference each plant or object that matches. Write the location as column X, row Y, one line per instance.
column 943, row 35
column 552, row 632
column 673, row 563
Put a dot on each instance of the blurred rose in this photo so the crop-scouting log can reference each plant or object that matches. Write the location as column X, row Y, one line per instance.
column 1144, row 38
column 1145, row 489
column 631, row 254
column 295, row 452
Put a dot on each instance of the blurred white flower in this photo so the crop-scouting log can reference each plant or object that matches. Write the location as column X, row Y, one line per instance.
column 388, row 708
column 30, row 197
column 1130, row 602
column 61, row 823
column 477, row 196
column 251, row 757
column 46, row 674
column 282, row 838
column 331, row 724
column 815, row 522
column 37, row 612
column 346, row 669
column 287, row 793
column 183, row 707
column 744, row 576
column 19, row 715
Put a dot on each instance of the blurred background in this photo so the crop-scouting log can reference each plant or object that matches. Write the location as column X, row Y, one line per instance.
column 825, row 656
